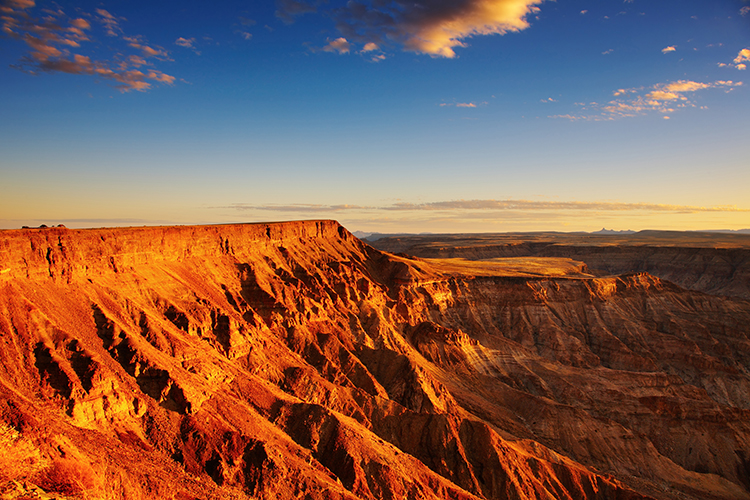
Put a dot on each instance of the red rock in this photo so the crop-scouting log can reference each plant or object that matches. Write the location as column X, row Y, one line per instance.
column 291, row 360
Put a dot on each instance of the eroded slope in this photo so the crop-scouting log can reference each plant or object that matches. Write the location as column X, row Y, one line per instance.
column 292, row 361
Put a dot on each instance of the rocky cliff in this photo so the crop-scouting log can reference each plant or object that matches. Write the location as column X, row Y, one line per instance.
column 292, row 361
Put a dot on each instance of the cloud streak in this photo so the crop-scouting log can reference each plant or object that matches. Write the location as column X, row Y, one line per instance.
column 56, row 44
column 461, row 104
column 431, row 27
column 492, row 205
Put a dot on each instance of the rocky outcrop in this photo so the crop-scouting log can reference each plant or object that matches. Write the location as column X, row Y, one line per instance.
column 290, row 360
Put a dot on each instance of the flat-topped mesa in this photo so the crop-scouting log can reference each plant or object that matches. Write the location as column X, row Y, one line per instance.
column 66, row 254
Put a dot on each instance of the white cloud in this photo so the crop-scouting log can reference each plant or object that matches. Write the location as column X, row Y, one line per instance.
column 671, row 48
column 738, row 62
column 430, row 27
column 744, row 55
column 340, row 45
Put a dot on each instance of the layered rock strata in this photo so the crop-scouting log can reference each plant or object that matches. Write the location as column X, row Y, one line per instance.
column 291, row 360
column 714, row 263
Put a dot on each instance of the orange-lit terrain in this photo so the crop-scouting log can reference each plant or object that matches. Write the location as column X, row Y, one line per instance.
column 293, row 361
column 715, row 263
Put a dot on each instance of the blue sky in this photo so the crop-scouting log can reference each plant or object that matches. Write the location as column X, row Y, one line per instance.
column 471, row 115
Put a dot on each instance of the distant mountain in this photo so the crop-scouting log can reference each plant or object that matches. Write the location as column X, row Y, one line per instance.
column 362, row 235
column 612, row 231
column 730, row 231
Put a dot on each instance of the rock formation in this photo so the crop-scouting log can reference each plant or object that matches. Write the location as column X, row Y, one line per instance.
column 293, row 361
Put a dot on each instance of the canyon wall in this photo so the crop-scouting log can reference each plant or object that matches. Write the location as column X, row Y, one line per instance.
column 713, row 263
column 293, row 361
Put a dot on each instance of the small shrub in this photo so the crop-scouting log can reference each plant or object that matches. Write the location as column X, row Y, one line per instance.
column 68, row 476
column 19, row 458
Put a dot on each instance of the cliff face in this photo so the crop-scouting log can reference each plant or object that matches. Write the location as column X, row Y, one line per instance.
column 291, row 360
column 707, row 262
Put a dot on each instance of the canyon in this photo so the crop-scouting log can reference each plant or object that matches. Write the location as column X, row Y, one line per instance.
column 712, row 262
column 295, row 361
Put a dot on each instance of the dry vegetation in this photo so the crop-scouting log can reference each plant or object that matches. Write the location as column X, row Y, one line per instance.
column 19, row 458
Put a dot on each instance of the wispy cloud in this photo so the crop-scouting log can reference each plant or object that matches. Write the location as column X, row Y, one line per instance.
column 492, row 205
column 555, row 205
column 185, row 42
column 137, row 42
column 430, row 27
column 110, row 22
column 56, row 42
column 243, row 24
column 188, row 43
column 491, row 215
column 289, row 10
column 671, row 48
column 664, row 98
column 300, row 208
column 461, row 104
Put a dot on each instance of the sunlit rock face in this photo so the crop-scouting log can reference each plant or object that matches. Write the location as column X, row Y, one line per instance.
column 293, row 361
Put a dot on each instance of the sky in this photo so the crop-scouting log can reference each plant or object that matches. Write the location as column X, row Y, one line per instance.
column 386, row 115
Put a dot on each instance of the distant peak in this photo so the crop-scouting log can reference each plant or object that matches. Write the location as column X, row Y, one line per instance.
column 613, row 231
